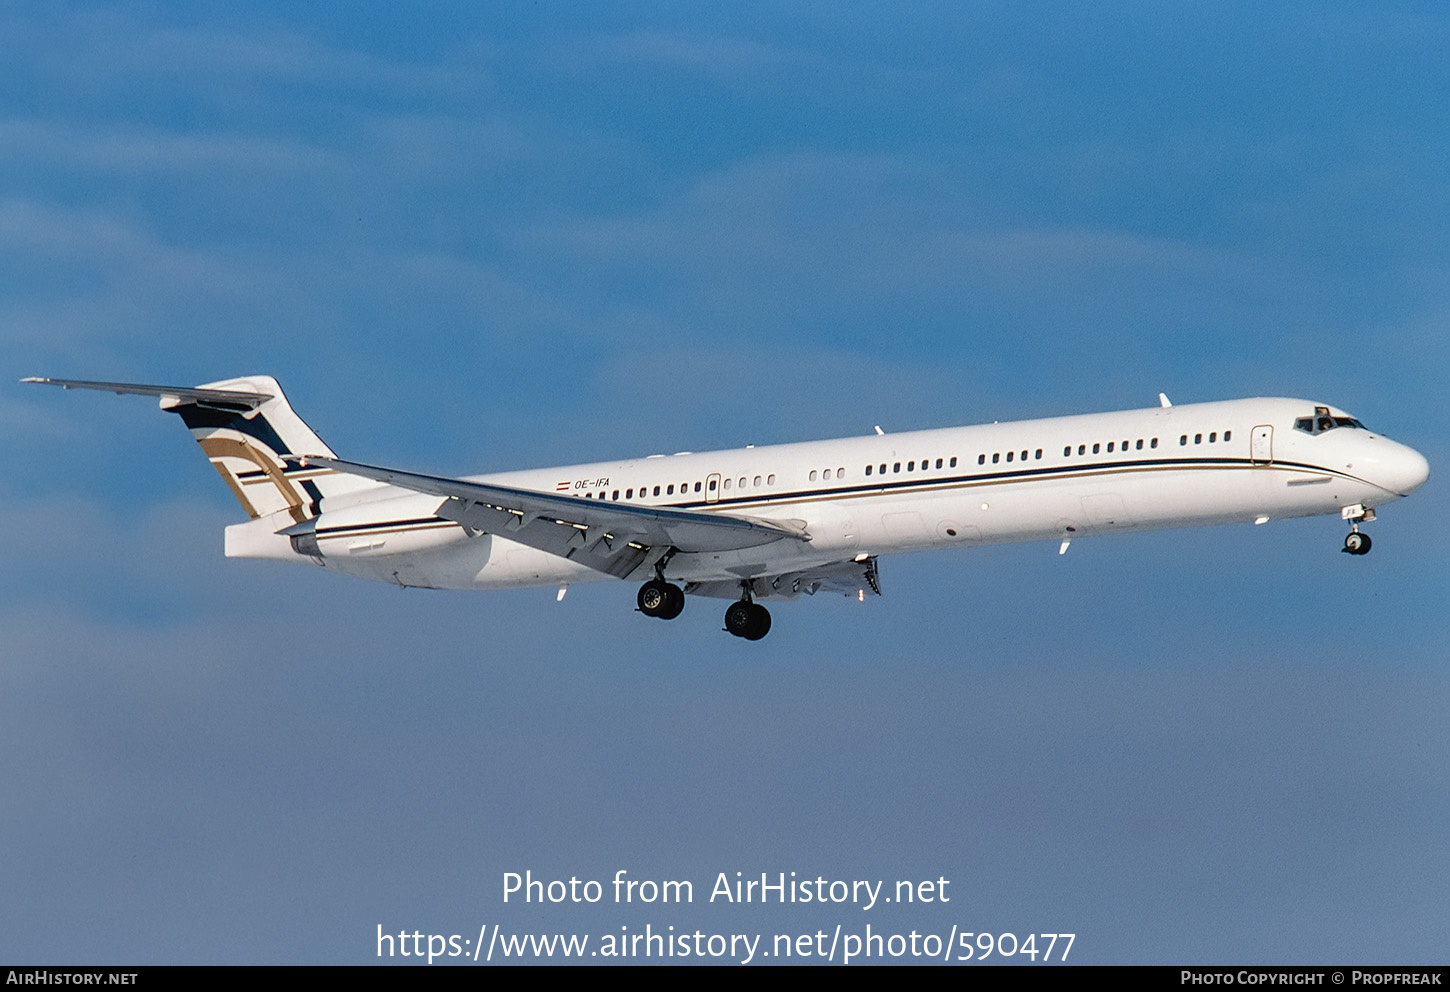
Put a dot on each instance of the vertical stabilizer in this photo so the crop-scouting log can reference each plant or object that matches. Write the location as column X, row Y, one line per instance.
column 245, row 426
column 246, row 442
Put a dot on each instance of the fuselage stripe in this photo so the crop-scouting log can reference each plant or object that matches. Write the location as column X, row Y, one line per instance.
column 961, row 482
column 995, row 478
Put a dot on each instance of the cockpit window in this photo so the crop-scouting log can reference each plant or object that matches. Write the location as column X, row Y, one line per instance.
column 1322, row 421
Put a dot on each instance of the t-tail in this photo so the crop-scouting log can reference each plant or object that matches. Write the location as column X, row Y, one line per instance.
column 246, row 427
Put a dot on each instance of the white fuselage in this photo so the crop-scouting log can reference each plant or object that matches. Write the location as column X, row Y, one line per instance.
column 1054, row 479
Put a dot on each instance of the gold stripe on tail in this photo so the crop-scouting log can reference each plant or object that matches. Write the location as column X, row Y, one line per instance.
column 217, row 448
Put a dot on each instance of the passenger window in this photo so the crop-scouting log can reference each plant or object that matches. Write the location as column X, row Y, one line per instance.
column 1198, row 439
column 954, row 462
column 1183, row 439
column 1067, row 451
column 911, row 466
column 1153, row 443
column 883, row 468
column 670, row 490
column 1082, row 449
column 938, row 463
column 616, row 494
column 1009, row 456
column 757, row 480
column 1213, row 438
column 981, row 459
column 996, row 457
column 1140, row 444
column 712, row 485
column 657, row 490
column 840, row 471
column 1038, row 455
column 1110, row 446
column 770, row 481
column 629, row 494
column 868, row 469
column 1228, row 435
column 813, row 475
column 1097, row 448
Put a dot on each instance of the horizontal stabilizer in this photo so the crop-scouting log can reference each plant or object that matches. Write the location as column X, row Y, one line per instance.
column 170, row 396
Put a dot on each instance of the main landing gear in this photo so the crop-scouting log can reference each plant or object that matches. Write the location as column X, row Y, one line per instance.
column 658, row 598
column 746, row 618
column 1356, row 543
column 665, row 600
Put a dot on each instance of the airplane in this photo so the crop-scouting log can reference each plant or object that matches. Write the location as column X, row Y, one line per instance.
column 776, row 522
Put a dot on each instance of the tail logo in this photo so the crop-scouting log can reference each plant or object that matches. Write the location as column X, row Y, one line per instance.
column 220, row 449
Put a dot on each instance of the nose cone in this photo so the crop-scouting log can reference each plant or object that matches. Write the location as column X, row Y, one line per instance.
column 1404, row 471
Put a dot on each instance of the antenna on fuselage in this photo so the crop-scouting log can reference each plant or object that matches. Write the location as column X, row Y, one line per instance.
column 1163, row 400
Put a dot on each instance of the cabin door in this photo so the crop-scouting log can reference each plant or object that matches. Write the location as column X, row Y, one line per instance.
column 1263, row 445
column 712, row 488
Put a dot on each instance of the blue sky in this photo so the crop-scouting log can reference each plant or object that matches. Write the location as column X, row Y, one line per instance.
column 471, row 239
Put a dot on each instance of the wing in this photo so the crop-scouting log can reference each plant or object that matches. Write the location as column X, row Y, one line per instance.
column 615, row 538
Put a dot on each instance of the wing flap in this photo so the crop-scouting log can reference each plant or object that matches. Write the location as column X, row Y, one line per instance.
column 611, row 553
column 849, row 578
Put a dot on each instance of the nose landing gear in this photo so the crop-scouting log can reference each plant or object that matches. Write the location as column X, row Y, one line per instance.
column 1356, row 543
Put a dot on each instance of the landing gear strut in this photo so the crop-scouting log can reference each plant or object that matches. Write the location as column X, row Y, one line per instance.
column 658, row 598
